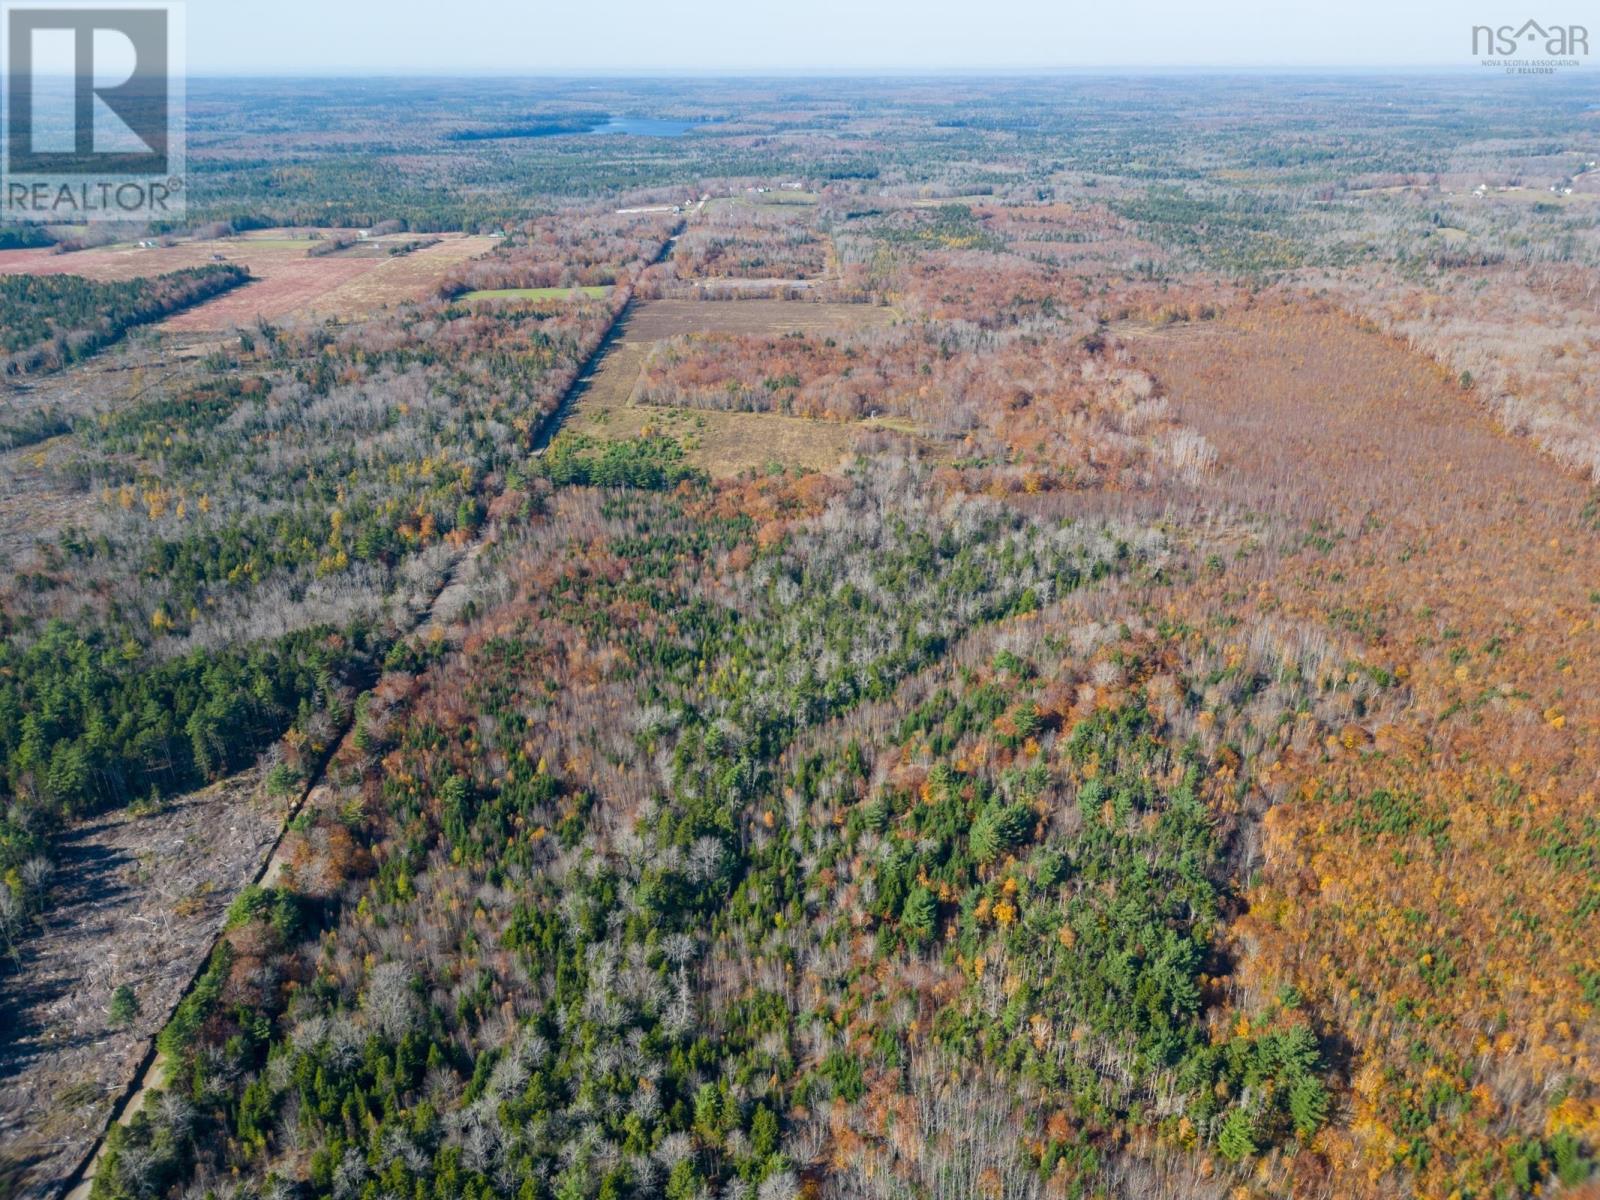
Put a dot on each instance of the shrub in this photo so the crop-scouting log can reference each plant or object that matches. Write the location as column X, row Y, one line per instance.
column 124, row 1007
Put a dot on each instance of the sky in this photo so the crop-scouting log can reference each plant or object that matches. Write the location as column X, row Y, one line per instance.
column 557, row 37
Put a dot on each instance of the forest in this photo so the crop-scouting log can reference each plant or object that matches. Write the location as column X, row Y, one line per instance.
column 1131, row 734
column 53, row 321
column 247, row 543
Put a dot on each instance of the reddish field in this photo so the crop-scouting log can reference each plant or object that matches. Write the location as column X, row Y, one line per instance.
column 1456, row 557
column 290, row 284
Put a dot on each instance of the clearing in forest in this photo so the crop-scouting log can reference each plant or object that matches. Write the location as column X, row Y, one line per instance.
column 725, row 444
column 532, row 293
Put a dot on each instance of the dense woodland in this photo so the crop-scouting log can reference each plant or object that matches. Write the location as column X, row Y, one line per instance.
column 1138, row 769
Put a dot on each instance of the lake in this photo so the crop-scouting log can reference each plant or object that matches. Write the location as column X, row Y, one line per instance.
column 646, row 127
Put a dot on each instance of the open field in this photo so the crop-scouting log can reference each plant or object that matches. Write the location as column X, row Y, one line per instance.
column 611, row 384
column 657, row 320
column 1583, row 200
column 781, row 196
column 939, row 201
column 353, row 287
column 776, row 198
column 723, row 444
column 545, row 293
column 289, row 284
column 266, row 256
column 736, row 284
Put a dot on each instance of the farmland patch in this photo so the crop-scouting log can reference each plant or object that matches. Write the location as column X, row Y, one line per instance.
column 290, row 283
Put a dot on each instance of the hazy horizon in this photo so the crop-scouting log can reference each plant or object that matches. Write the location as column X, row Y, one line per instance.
column 721, row 37
column 800, row 73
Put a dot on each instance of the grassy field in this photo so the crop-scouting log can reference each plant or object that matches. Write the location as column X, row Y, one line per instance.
column 724, row 445
column 940, row 201
column 281, row 243
column 785, row 196
column 546, row 293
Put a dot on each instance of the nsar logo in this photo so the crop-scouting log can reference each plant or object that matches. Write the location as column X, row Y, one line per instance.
column 1530, row 48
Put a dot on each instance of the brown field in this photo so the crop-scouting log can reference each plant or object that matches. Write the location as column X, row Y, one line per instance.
column 1533, row 195
column 36, row 501
column 611, row 385
column 290, row 284
column 662, row 319
column 1458, row 558
column 722, row 444
column 656, row 321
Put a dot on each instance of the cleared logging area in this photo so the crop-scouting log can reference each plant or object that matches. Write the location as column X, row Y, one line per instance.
column 139, row 901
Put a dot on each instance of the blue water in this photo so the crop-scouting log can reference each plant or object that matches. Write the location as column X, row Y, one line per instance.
column 645, row 127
